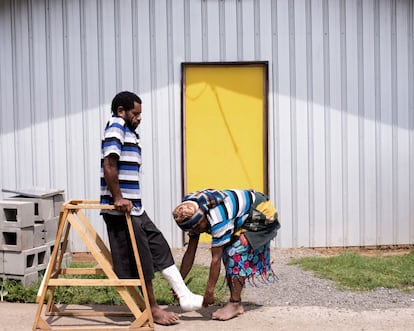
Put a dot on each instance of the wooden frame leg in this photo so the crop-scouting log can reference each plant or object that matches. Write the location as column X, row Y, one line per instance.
column 72, row 217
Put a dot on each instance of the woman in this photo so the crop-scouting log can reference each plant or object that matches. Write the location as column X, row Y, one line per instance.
column 242, row 223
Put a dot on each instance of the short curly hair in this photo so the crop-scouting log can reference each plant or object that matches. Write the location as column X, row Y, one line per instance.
column 124, row 99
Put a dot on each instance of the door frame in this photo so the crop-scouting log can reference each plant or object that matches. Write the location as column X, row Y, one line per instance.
column 265, row 65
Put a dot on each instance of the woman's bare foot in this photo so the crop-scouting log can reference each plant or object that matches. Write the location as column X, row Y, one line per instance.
column 163, row 317
column 230, row 310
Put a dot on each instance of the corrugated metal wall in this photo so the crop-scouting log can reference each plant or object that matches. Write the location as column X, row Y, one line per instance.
column 341, row 103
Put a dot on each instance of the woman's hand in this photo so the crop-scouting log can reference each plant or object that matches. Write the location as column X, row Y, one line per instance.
column 208, row 298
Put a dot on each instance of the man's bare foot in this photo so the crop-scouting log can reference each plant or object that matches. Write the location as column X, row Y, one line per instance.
column 163, row 317
column 230, row 310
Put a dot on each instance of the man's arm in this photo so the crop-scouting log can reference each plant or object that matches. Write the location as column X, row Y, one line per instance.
column 216, row 253
column 189, row 255
column 110, row 169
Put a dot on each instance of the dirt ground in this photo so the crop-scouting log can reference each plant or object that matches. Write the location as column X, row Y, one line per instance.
column 20, row 317
column 300, row 318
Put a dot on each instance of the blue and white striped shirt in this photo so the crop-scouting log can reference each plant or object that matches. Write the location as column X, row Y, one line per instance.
column 120, row 140
column 228, row 216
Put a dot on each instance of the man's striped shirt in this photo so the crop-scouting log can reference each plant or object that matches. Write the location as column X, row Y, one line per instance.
column 120, row 140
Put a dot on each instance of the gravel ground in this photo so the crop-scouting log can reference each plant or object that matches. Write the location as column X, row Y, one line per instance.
column 299, row 288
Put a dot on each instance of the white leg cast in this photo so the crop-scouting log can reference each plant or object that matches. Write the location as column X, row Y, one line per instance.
column 188, row 300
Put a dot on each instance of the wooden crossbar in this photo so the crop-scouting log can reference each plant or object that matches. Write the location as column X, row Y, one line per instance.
column 132, row 291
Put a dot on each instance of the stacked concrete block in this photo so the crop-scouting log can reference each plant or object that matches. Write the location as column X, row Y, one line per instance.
column 17, row 239
column 1, row 262
column 16, row 214
column 20, row 263
column 50, row 229
column 38, row 235
column 43, row 208
column 28, row 227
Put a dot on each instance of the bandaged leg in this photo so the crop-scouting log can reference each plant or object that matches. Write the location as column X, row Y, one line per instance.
column 188, row 300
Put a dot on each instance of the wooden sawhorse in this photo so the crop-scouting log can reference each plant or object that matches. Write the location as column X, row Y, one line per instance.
column 72, row 215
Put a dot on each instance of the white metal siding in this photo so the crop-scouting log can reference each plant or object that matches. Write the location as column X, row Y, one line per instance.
column 341, row 103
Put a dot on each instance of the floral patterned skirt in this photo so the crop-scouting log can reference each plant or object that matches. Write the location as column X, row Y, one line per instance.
column 248, row 263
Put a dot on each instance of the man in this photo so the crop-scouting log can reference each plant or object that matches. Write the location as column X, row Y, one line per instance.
column 242, row 223
column 120, row 186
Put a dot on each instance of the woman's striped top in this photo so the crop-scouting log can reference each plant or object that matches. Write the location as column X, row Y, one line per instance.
column 228, row 216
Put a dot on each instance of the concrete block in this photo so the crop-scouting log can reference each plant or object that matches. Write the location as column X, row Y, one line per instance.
column 67, row 255
column 51, row 226
column 16, row 239
column 41, row 273
column 26, row 280
column 19, row 214
column 39, row 235
column 43, row 256
column 52, row 245
column 58, row 200
column 20, row 263
column 43, row 208
column 1, row 262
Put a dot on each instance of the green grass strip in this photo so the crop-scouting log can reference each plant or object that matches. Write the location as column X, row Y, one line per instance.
column 14, row 291
column 352, row 271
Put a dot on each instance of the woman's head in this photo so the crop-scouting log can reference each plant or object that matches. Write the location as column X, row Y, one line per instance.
column 189, row 217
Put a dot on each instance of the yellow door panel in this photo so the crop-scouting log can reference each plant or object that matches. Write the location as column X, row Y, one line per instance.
column 224, row 126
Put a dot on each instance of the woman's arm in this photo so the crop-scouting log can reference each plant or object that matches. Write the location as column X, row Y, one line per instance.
column 215, row 265
column 189, row 255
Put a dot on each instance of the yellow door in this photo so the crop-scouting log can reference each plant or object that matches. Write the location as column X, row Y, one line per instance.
column 225, row 128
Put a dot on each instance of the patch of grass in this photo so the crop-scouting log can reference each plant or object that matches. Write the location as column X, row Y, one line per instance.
column 14, row 291
column 361, row 273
